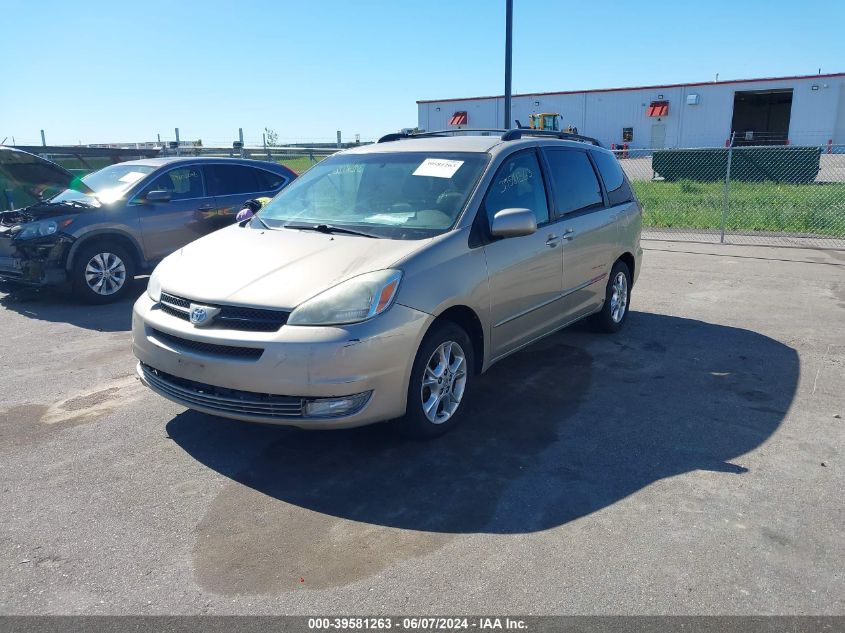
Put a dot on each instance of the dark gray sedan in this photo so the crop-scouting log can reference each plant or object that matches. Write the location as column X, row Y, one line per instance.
column 102, row 229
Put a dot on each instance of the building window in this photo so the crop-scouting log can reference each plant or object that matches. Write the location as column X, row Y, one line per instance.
column 627, row 134
column 459, row 118
column 658, row 108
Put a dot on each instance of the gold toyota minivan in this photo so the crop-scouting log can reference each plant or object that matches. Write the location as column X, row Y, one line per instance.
column 380, row 283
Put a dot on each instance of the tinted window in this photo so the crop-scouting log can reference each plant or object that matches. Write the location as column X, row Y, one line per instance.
column 610, row 170
column 225, row 180
column 618, row 189
column 574, row 180
column 518, row 184
column 183, row 183
column 269, row 181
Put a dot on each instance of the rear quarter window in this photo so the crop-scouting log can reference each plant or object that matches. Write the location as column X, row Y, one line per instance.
column 269, row 181
column 618, row 189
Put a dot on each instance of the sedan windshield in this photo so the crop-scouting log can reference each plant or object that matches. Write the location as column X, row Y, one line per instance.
column 109, row 184
column 398, row 195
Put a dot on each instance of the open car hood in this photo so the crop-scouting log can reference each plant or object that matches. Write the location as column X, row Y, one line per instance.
column 20, row 169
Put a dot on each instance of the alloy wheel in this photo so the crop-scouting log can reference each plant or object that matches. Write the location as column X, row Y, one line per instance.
column 444, row 382
column 619, row 297
column 105, row 273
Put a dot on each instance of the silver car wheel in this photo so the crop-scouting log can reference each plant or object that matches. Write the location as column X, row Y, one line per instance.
column 105, row 273
column 619, row 298
column 443, row 383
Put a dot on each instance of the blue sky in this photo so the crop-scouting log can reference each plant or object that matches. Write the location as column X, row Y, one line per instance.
column 106, row 70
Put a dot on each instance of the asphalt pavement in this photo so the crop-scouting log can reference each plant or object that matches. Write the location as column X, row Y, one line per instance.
column 692, row 464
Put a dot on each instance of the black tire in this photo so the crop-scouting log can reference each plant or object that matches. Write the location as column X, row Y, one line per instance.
column 415, row 423
column 606, row 320
column 118, row 261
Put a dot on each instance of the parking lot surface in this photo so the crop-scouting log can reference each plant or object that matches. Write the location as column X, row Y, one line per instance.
column 691, row 464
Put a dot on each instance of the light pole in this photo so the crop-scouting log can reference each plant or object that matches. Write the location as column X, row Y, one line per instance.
column 508, row 55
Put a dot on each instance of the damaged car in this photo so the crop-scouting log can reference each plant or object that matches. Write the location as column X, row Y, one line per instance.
column 95, row 233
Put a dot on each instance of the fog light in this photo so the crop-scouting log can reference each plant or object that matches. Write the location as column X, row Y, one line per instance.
column 336, row 407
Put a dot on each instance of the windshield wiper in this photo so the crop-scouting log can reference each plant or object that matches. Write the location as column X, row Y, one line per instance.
column 329, row 228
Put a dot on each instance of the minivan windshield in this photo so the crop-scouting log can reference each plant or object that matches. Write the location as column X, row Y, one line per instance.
column 397, row 195
column 109, row 184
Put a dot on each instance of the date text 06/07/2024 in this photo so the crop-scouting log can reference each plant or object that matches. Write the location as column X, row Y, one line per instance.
column 416, row 623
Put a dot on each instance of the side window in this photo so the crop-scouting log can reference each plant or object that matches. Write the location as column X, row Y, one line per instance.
column 573, row 180
column 226, row 180
column 518, row 184
column 183, row 183
column 618, row 190
column 268, row 181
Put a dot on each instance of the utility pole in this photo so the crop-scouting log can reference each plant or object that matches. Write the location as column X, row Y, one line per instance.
column 177, row 140
column 508, row 56
column 43, row 142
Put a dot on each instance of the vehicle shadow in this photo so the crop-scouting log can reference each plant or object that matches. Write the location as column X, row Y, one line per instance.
column 562, row 429
column 59, row 306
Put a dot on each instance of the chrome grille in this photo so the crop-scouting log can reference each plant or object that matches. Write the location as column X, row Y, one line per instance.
column 230, row 317
column 191, row 393
column 243, row 353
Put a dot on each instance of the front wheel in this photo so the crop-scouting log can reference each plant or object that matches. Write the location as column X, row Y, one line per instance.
column 439, row 383
column 613, row 314
column 102, row 273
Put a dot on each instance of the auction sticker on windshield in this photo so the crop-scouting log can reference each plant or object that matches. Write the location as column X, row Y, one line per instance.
column 438, row 167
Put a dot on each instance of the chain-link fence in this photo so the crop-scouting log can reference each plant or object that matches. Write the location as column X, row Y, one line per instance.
column 773, row 194
column 780, row 195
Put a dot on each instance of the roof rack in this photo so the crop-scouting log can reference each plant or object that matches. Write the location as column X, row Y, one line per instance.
column 506, row 135
column 517, row 133
column 400, row 135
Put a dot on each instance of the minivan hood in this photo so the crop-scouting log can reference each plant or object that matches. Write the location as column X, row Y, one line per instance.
column 274, row 268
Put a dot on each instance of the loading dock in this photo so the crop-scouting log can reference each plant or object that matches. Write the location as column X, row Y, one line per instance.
column 761, row 117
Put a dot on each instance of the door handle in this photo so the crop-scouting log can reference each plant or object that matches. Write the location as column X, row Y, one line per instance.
column 205, row 207
column 569, row 235
column 552, row 241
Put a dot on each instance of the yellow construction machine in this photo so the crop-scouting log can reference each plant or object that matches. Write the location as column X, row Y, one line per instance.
column 549, row 121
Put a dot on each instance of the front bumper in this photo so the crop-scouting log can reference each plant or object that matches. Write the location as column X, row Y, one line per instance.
column 39, row 262
column 294, row 363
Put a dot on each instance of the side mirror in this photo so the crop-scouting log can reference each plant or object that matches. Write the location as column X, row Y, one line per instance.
column 513, row 223
column 157, row 196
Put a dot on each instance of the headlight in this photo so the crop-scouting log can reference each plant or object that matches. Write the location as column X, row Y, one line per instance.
column 31, row 230
column 354, row 300
column 154, row 286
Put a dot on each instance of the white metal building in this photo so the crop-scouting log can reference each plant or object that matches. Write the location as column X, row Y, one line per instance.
column 804, row 110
